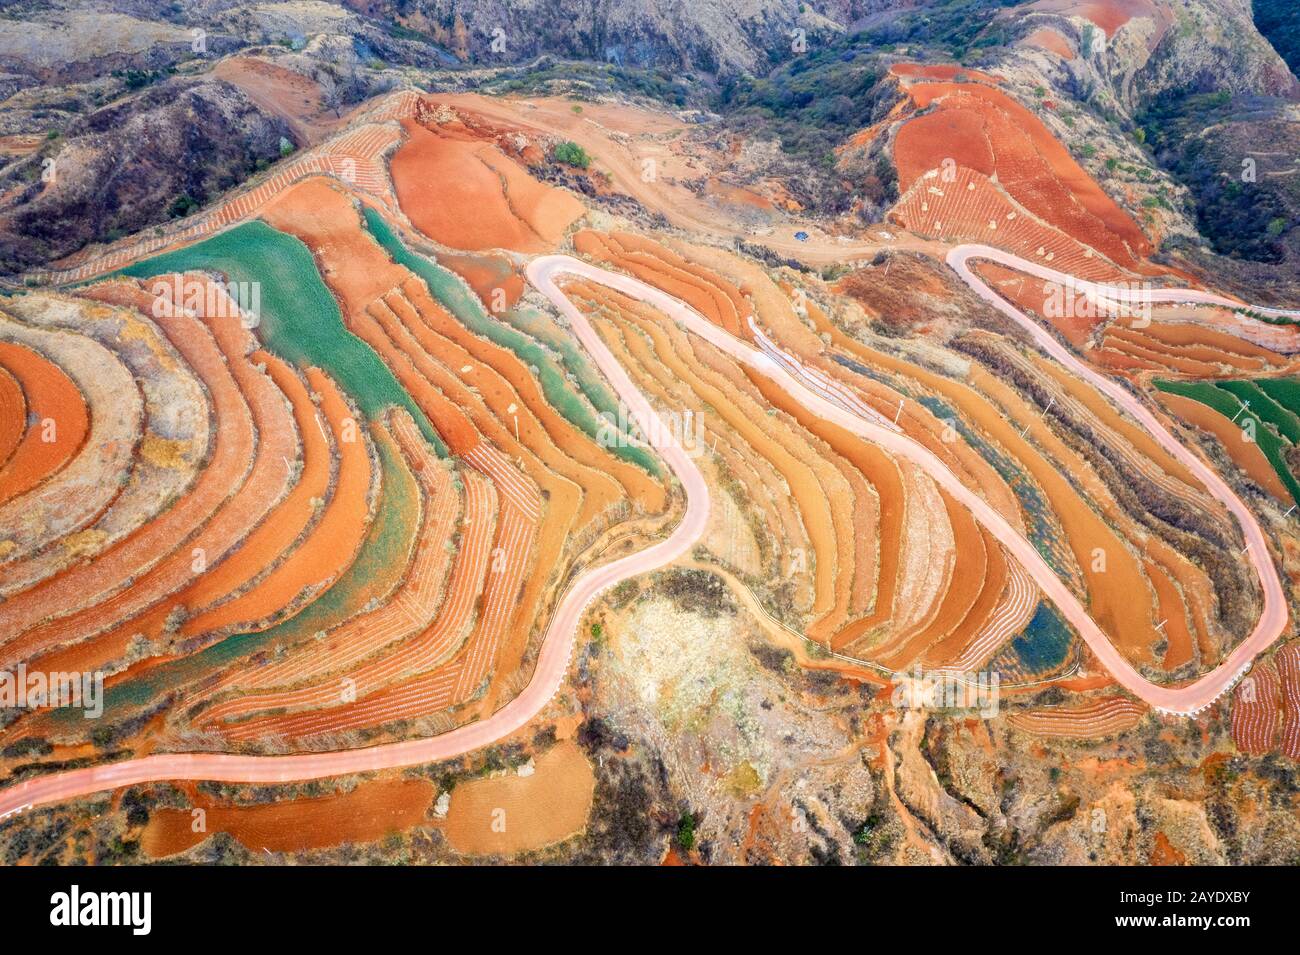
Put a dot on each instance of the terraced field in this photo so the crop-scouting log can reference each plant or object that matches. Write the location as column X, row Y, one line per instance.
column 363, row 518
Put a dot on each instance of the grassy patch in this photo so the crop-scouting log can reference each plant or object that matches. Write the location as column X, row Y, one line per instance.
column 300, row 320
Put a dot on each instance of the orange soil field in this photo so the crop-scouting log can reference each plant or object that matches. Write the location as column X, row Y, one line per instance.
column 1051, row 41
column 714, row 298
column 51, row 396
column 226, row 472
column 409, row 609
column 281, row 91
column 332, row 543
column 269, row 480
column 503, row 815
column 467, row 194
column 80, row 491
column 417, row 647
column 365, row 814
column 13, row 415
column 1110, row 15
column 1174, row 613
column 1124, row 611
column 1094, row 720
column 941, row 71
column 1287, row 660
column 1029, row 162
column 1032, row 293
column 1246, row 454
column 268, row 542
column 375, row 590
column 1254, row 710
column 747, row 419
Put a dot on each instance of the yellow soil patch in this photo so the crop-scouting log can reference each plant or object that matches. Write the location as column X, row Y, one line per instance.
column 504, row 815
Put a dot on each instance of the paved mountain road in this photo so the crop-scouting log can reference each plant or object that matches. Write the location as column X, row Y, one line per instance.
column 558, row 643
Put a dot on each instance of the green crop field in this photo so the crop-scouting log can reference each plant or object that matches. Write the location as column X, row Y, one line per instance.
column 447, row 289
column 1229, row 405
column 1265, row 407
column 299, row 320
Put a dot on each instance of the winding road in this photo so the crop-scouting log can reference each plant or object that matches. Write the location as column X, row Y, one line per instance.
column 557, row 645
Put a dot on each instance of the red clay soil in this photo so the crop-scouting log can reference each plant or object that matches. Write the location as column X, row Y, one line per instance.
column 993, row 134
column 494, row 278
column 268, row 481
column 366, row 814
column 13, row 415
column 941, row 71
column 225, row 473
column 331, row 545
column 1051, row 41
column 1288, row 668
column 1255, row 710
column 707, row 292
column 266, row 544
column 412, row 608
column 1110, row 15
column 283, row 92
column 467, row 194
column 51, row 396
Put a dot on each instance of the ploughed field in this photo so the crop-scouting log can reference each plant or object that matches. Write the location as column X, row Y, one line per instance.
column 316, row 474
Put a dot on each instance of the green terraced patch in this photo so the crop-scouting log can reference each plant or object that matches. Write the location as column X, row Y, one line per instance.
column 448, row 289
column 1264, row 407
column 379, row 566
column 300, row 320
column 1285, row 391
column 1230, row 406
column 1045, row 641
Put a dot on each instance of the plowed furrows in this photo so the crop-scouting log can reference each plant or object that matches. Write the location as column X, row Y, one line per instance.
column 503, row 382
column 731, row 301
column 74, row 496
column 1116, row 338
column 1139, row 462
column 13, row 415
column 51, row 396
column 174, row 446
column 1012, row 615
column 269, row 540
column 595, row 466
column 944, row 651
column 268, row 481
column 330, row 545
column 564, row 496
column 226, row 472
column 372, row 601
column 1225, row 345
column 1196, row 592
column 933, row 207
column 916, row 420
column 749, row 420
column 963, row 587
column 755, row 474
column 1254, row 710
column 650, row 263
column 1094, row 720
column 1288, row 668
column 455, row 683
column 1125, row 611
column 761, row 492
column 407, row 637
